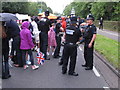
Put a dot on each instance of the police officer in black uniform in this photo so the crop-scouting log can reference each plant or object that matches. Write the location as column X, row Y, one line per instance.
column 43, row 26
column 89, row 36
column 72, row 36
column 58, row 29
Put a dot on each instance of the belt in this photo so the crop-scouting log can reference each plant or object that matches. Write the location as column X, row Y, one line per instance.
column 71, row 43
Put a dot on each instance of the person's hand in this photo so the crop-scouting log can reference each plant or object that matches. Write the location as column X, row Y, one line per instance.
column 11, row 56
column 90, row 45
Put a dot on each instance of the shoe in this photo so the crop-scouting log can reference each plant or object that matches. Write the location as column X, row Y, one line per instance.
column 48, row 53
column 52, row 53
column 88, row 68
column 6, row 77
column 73, row 74
column 64, row 72
column 34, row 67
column 26, row 66
column 28, row 62
column 60, row 63
column 84, row 65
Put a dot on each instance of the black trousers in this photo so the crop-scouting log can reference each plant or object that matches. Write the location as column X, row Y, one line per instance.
column 5, row 65
column 57, row 50
column 70, row 51
column 88, row 56
column 16, row 47
column 43, row 43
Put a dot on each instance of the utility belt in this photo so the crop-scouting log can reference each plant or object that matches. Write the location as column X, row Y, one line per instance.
column 70, row 44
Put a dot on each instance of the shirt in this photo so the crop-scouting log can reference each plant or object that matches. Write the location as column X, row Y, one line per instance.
column 72, row 34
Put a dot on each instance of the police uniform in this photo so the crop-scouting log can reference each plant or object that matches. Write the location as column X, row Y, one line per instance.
column 70, row 49
column 43, row 26
column 88, row 52
column 58, row 39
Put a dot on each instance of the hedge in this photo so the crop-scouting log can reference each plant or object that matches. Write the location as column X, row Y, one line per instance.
column 109, row 25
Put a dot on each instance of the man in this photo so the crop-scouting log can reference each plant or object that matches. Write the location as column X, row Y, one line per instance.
column 101, row 23
column 58, row 29
column 43, row 26
column 72, row 36
column 13, row 31
column 89, row 36
column 5, row 53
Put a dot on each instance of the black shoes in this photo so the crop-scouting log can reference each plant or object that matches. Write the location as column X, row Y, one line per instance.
column 6, row 77
column 84, row 65
column 73, row 74
column 60, row 63
column 88, row 68
column 64, row 72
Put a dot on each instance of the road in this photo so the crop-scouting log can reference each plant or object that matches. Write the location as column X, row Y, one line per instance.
column 49, row 76
column 110, row 34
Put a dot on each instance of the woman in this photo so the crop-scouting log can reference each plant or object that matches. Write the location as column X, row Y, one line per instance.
column 26, row 44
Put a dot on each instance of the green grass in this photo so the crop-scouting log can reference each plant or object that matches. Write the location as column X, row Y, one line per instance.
column 108, row 48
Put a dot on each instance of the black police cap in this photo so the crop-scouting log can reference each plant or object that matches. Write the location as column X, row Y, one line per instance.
column 47, row 13
column 90, row 17
column 73, row 20
column 59, row 18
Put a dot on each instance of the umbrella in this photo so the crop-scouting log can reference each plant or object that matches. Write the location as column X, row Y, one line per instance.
column 7, row 16
column 51, row 16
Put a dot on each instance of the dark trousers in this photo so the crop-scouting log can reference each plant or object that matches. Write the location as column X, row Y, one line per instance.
column 43, row 43
column 70, row 51
column 88, row 56
column 16, row 47
column 101, row 26
column 24, row 56
column 5, row 65
column 57, row 50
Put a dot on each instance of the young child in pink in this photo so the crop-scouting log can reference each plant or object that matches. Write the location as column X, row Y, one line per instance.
column 51, row 39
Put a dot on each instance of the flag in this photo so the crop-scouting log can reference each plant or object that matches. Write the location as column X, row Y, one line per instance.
column 40, row 57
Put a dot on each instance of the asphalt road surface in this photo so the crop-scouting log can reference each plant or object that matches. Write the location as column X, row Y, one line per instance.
column 110, row 34
column 49, row 76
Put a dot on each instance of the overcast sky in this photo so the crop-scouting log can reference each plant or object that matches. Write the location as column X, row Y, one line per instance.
column 57, row 5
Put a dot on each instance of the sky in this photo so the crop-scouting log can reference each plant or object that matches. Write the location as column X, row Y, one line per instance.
column 57, row 5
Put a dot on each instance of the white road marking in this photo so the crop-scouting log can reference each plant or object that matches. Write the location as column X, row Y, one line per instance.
column 80, row 48
column 96, row 72
column 94, row 69
column 106, row 88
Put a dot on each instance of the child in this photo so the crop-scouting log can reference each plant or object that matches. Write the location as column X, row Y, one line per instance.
column 51, row 39
column 26, row 44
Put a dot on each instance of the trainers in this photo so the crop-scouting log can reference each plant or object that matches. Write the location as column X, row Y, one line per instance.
column 28, row 62
column 34, row 67
column 48, row 53
column 26, row 66
column 52, row 53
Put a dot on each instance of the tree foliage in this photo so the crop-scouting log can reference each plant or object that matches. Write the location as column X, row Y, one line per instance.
column 30, row 8
column 107, row 10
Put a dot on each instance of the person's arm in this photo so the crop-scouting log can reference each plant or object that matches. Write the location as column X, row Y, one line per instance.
column 93, row 39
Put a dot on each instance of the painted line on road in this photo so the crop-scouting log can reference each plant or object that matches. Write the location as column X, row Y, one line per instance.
column 94, row 69
column 96, row 72
column 106, row 88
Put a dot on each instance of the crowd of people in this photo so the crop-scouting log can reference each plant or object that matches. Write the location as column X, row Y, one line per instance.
column 44, row 35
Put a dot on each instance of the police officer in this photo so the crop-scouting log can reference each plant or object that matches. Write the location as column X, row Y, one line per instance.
column 72, row 36
column 89, row 36
column 58, row 29
column 43, row 26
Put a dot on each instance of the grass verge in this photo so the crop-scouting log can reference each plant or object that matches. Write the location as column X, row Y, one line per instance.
column 109, row 49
